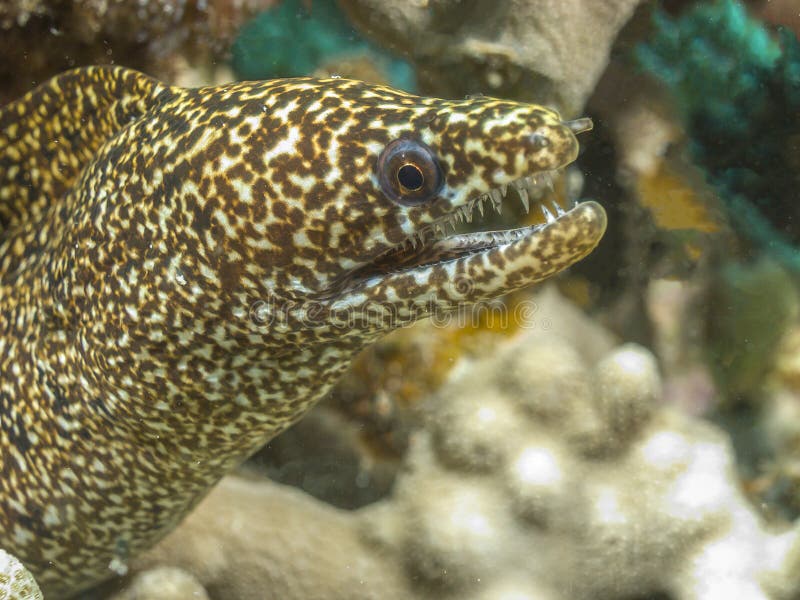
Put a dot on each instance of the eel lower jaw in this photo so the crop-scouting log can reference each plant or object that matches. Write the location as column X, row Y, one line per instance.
column 438, row 271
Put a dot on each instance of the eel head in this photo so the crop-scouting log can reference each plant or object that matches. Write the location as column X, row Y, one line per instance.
column 387, row 173
column 320, row 200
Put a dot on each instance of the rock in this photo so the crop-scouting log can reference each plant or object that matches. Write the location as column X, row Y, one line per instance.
column 546, row 51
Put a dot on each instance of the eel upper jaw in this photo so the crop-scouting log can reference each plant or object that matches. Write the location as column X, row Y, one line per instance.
column 528, row 254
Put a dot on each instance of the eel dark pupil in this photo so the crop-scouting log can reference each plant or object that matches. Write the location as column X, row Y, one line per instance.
column 411, row 177
column 409, row 172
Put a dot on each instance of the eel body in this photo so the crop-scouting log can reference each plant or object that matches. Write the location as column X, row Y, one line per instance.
column 183, row 273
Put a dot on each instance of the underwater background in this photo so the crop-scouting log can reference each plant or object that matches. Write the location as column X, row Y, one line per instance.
column 629, row 430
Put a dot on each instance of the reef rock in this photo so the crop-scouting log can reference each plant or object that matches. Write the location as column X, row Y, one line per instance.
column 549, row 51
column 255, row 540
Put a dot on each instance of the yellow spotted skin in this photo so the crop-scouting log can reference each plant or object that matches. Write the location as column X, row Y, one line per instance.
column 176, row 281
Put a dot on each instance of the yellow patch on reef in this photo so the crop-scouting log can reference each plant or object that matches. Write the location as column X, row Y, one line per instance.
column 578, row 289
column 674, row 202
column 413, row 362
column 787, row 362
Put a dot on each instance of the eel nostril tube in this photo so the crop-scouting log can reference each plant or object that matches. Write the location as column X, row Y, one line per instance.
column 577, row 126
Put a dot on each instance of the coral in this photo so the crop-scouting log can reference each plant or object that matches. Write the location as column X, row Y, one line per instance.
column 749, row 307
column 547, row 472
column 548, row 51
column 251, row 540
column 163, row 583
column 296, row 38
column 549, row 469
column 739, row 93
column 16, row 583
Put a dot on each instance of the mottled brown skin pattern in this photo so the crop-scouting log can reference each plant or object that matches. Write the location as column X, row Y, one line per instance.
column 174, row 281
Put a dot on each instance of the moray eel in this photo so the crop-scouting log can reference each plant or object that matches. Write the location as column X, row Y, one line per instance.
column 185, row 272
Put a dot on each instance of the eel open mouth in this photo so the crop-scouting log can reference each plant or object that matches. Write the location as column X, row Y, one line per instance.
column 432, row 244
column 468, row 267
column 447, row 270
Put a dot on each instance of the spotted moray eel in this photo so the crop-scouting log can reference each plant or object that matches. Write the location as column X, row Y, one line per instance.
column 185, row 272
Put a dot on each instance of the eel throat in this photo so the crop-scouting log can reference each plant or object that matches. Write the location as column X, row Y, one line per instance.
column 185, row 272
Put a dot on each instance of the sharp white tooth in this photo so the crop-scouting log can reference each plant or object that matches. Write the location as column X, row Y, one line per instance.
column 498, row 206
column 497, row 198
column 504, row 190
column 523, row 196
column 547, row 214
column 480, row 205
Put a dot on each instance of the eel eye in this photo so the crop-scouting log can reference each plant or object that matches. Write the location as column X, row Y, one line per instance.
column 409, row 172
